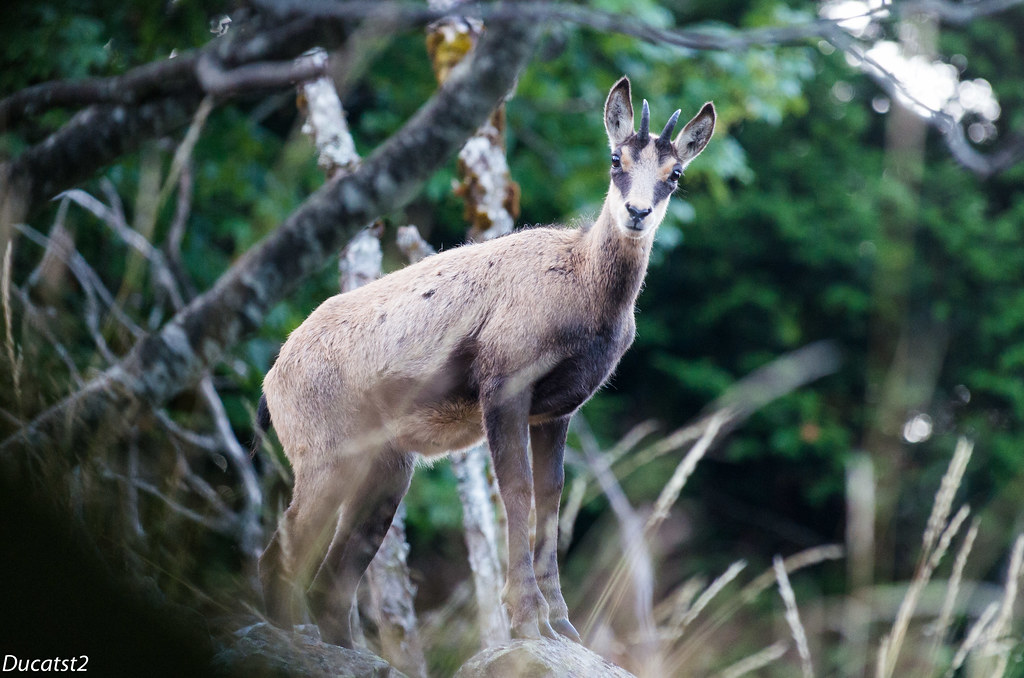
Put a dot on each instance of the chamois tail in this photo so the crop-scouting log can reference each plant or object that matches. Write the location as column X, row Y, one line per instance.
column 263, row 424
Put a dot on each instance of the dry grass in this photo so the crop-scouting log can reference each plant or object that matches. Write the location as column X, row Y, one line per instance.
column 701, row 627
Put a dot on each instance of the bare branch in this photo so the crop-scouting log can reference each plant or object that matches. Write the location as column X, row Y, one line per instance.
column 634, row 572
column 218, row 81
column 952, row 131
column 325, row 122
column 412, row 244
column 250, row 533
column 956, row 13
column 87, row 277
column 777, row 378
column 793, row 617
column 13, row 354
column 200, row 440
column 91, row 139
column 163, row 364
column 138, row 84
column 481, row 536
column 221, row 523
column 38, row 320
column 102, row 133
column 113, row 217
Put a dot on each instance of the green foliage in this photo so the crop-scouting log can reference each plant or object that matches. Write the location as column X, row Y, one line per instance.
column 778, row 238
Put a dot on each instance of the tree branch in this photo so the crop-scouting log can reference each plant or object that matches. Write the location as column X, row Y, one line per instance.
column 952, row 131
column 102, row 133
column 93, row 138
column 220, row 81
column 132, row 87
column 163, row 364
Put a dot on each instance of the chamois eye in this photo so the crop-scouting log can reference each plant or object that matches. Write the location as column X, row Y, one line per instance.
column 676, row 173
column 616, row 161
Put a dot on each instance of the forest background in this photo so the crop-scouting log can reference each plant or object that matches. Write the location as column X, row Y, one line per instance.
column 831, row 206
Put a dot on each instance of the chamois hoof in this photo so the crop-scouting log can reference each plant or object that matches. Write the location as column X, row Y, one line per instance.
column 533, row 630
column 334, row 633
column 564, row 628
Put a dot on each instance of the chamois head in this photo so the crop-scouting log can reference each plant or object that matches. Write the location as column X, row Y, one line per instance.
column 645, row 169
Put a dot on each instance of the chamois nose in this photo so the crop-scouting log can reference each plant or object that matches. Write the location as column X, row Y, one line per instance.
column 636, row 214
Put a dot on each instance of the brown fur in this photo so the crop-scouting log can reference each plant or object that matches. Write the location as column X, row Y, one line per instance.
column 503, row 339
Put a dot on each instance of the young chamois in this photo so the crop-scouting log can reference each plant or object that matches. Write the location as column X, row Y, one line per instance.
column 505, row 340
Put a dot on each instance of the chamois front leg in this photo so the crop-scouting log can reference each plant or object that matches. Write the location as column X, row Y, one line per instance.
column 548, row 445
column 506, row 423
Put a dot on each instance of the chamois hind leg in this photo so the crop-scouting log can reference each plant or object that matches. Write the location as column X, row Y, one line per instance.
column 506, row 425
column 547, row 442
column 287, row 564
column 376, row 488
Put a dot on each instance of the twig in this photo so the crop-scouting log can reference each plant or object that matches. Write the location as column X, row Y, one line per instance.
column 412, row 244
column 779, row 377
column 793, row 617
column 678, row 625
column 953, row 589
column 1001, row 625
column 250, row 532
column 890, row 649
column 130, row 489
column 756, row 661
column 176, row 231
column 93, row 289
column 56, row 249
column 696, row 641
column 224, row 523
column 113, row 217
column 951, row 130
column 481, row 536
column 222, row 82
column 183, row 153
column 13, row 352
column 200, row 440
column 188, row 479
column 131, row 87
column 974, row 636
column 685, row 468
column 39, row 320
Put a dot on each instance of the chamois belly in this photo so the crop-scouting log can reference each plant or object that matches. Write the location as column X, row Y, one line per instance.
column 439, row 428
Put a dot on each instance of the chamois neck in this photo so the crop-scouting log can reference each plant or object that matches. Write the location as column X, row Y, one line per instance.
column 616, row 264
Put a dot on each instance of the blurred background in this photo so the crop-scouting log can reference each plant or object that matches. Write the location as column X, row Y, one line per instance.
column 827, row 208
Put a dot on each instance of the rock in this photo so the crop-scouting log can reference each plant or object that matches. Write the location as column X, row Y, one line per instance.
column 540, row 659
column 263, row 651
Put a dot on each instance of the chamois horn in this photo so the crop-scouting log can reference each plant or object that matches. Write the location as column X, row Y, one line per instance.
column 644, row 135
column 666, row 134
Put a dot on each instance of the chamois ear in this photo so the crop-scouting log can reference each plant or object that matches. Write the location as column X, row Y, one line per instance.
column 695, row 136
column 618, row 114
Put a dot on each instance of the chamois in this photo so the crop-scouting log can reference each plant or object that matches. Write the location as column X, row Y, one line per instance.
column 503, row 339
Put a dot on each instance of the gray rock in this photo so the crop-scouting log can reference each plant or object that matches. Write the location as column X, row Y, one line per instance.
column 263, row 651
column 540, row 659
